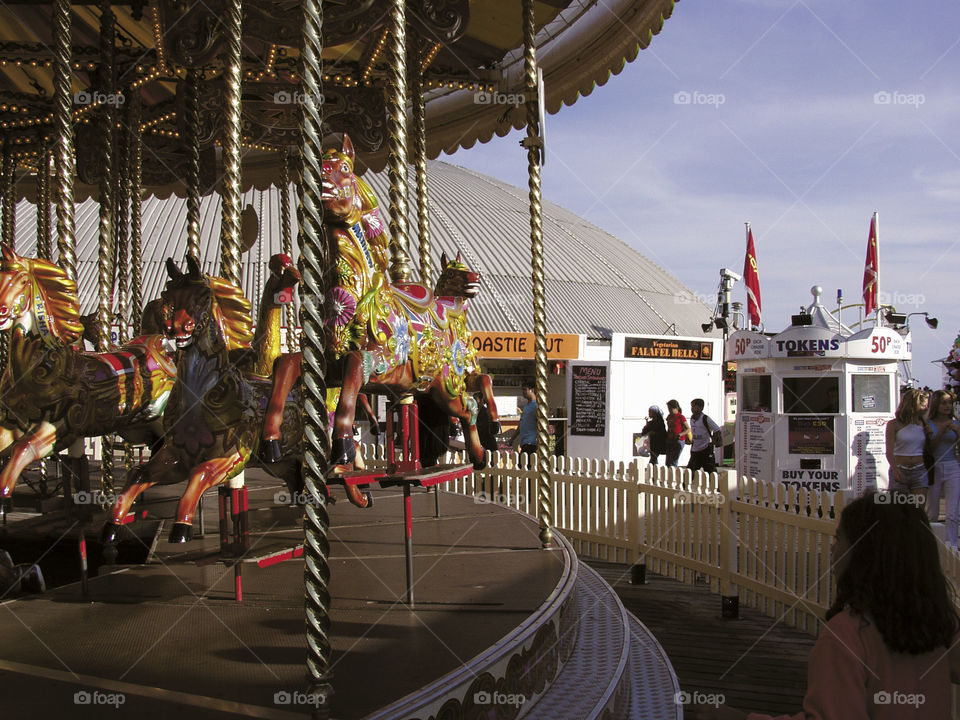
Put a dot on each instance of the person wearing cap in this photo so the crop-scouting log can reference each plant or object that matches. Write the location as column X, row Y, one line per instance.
column 656, row 429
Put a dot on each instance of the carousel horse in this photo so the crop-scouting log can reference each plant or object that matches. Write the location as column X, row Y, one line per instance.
column 54, row 394
column 456, row 281
column 215, row 413
column 391, row 338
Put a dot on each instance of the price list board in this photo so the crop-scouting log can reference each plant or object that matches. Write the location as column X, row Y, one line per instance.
column 589, row 400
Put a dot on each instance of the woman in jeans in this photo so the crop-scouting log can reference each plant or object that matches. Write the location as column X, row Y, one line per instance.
column 905, row 439
column 678, row 430
column 942, row 434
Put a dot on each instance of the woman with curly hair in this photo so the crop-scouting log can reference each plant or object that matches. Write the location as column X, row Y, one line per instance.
column 905, row 440
column 889, row 649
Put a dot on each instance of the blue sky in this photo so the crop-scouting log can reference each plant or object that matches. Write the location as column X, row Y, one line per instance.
column 802, row 118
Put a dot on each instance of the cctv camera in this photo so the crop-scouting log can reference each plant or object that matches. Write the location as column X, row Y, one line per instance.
column 730, row 275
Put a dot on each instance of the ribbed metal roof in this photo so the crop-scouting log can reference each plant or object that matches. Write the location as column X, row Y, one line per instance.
column 595, row 284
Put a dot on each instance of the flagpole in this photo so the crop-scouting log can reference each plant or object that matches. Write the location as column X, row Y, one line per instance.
column 876, row 239
column 746, row 285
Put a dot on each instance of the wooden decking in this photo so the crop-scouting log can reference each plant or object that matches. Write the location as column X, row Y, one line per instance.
column 758, row 664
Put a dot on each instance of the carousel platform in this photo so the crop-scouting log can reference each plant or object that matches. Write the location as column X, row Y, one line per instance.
column 499, row 627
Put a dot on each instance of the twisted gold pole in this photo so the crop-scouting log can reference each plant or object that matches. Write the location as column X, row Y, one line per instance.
column 544, row 484
column 44, row 249
column 136, row 179
column 9, row 220
column 286, row 244
column 63, row 159
column 193, row 161
column 230, row 226
column 44, row 252
column 120, row 228
column 316, row 262
column 397, row 140
column 105, row 258
column 420, row 161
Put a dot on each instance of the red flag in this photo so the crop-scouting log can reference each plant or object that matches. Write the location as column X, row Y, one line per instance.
column 751, row 278
column 871, row 271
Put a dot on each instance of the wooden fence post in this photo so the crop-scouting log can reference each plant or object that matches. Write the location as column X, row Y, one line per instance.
column 638, row 570
column 729, row 594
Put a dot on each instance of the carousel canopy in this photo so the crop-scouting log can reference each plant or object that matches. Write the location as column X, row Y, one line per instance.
column 467, row 55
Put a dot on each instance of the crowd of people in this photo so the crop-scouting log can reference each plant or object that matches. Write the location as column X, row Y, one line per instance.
column 922, row 453
column 667, row 435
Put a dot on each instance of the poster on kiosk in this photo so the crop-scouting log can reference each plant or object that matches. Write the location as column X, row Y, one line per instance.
column 814, row 401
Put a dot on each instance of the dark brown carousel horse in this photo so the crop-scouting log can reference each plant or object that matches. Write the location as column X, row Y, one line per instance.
column 215, row 413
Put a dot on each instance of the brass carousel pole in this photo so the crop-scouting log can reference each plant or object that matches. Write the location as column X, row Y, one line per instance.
column 122, row 244
column 9, row 194
column 63, row 158
column 136, row 179
column 230, row 225
column 193, row 161
column 286, row 244
column 44, row 248
column 9, row 222
column 105, row 258
column 44, row 252
column 397, row 140
column 533, row 144
column 316, row 265
column 121, row 241
column 420, row 162
column 64, row 165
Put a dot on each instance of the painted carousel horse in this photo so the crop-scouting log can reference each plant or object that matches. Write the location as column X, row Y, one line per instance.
column 456, row 281
column 54, row 394
column 215, row 414
column 391, row 338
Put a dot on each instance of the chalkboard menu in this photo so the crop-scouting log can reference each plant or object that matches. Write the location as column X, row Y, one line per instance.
column 589, row 400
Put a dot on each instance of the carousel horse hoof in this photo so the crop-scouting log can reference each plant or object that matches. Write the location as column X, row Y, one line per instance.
column 181, row 532
column 479, row 464
column 495, row 427
column 358, row 498
column 109, row 533
column 270, row 451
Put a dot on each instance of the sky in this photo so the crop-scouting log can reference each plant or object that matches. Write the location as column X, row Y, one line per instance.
column 801, row 118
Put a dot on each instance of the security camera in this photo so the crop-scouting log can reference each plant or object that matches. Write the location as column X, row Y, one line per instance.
column 730, row 275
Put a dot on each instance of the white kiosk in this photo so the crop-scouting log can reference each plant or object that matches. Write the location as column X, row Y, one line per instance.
column 608, row 394
column 814, row 401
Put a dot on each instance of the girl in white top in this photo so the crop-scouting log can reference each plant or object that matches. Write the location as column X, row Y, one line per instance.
column 905, row 439
column 942, row 434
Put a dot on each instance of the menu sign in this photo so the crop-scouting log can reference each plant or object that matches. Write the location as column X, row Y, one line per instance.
column 588, row 400
column 869, row 453
column 755, row 445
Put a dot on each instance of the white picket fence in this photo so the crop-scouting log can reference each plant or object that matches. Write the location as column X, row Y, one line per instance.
column 762, row 542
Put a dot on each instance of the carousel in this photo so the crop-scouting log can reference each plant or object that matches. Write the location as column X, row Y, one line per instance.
column 119, row 100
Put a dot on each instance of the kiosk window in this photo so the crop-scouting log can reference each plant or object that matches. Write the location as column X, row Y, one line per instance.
column 871, row 393
column 755, row 393
column 819, row 395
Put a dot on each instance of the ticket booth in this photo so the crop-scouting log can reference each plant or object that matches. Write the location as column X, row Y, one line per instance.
column 814, row 401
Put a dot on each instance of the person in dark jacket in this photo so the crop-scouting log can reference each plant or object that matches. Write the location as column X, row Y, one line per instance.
column 656, row 429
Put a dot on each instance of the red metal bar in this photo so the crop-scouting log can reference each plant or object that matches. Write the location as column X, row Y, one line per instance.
column 408, row 540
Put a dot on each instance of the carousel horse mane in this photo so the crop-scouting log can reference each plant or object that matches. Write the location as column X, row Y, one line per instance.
column 57, row 292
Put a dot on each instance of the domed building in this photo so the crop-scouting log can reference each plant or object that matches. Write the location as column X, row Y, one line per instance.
column 598, row 289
